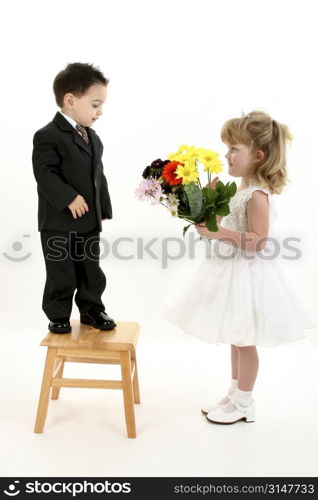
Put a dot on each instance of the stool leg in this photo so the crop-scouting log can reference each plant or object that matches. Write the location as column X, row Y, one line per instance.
column 135, row 379
column 128, row 393
column 59, row 374
column 45, row 390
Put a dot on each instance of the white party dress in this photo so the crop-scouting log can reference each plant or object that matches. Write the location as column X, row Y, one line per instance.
column 241, row 297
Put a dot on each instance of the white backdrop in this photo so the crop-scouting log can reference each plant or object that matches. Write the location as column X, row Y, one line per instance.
column 178, row 69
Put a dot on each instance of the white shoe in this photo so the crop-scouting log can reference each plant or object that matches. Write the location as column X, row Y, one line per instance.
column 206, row 408
column 235, row 413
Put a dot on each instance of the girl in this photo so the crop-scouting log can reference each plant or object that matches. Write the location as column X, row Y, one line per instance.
column 240, row 295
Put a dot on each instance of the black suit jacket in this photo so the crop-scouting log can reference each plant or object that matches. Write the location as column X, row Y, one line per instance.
column 64, row 166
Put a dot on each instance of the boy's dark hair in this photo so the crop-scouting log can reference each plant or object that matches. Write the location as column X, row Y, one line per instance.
column 76, row 78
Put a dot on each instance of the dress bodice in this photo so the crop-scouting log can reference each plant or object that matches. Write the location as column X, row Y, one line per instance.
column 237, row 218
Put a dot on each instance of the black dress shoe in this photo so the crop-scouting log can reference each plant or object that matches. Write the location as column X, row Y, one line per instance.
column 98, row 319
column 60, row 326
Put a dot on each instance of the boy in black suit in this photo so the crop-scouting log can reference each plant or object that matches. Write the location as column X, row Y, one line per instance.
column 73, row 199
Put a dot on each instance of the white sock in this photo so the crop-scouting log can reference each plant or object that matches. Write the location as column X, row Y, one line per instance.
column 231, row 390
column 243, row 398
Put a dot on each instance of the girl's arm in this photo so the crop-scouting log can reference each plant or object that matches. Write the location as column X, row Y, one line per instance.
column 258, row 224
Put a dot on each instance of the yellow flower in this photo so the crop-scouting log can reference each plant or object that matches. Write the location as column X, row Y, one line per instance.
column 210, row 160
column 185, row 154
column 189, row 155
column 188, row 173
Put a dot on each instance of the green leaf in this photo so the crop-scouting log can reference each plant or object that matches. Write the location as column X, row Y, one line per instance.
column 211, row 223
column 232, row 189
column 194, row 195
column 223, row 209
column 209, row 196
column 185, row 229
column 206, row 207
column 219, row 186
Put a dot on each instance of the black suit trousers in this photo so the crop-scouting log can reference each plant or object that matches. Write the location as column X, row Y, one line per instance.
column 72, row 264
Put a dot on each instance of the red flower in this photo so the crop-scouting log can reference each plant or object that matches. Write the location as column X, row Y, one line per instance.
column 169, row 174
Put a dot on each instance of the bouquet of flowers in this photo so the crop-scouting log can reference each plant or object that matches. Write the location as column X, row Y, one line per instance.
column 175, row 184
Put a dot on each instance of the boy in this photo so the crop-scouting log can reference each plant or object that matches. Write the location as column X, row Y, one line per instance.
column 73, row 199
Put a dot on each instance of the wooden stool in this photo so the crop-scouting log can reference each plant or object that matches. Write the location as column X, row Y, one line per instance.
column 85, row 344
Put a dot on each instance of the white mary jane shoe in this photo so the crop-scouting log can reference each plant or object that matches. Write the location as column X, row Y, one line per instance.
column 206, row 408
column 219, row 416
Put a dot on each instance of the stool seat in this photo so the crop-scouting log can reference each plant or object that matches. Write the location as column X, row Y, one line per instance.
column 121, row 338
column 86, row 344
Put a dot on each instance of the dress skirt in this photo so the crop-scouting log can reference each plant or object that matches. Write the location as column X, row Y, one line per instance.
column 241, row 298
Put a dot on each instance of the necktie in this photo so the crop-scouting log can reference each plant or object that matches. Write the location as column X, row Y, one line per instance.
column 83, row 132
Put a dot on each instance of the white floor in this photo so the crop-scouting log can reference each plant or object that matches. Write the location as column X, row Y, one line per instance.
column 85, row 432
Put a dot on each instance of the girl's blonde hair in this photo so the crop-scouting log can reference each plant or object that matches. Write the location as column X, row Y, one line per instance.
column 259, row 131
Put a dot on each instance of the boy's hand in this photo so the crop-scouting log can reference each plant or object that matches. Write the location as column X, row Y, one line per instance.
column 78, row 207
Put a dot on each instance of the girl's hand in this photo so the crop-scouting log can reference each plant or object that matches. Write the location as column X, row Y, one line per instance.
column 212, row 184
column 203, row 231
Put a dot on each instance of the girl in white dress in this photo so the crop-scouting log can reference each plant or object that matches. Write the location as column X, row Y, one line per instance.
column 240, row 295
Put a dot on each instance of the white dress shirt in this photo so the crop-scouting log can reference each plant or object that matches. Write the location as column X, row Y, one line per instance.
column 71, row 121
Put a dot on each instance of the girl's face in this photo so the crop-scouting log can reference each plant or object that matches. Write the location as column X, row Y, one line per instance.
column 240, row 160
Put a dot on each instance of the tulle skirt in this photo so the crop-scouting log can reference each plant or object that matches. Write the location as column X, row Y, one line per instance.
column 241, row 298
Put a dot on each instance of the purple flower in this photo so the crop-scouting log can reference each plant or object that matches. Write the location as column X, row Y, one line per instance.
column 146, row 173
column 149, row 189
column 158, row 163
column 155, row 169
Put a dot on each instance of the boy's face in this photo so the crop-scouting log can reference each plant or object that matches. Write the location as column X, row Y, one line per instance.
column 87, row 108
column 241, row 159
